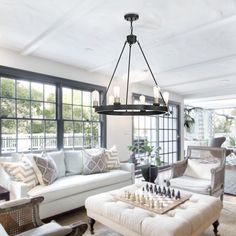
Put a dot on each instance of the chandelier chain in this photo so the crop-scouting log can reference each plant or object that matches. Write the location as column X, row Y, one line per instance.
column 127, row 89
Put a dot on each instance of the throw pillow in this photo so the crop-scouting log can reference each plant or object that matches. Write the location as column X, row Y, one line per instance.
column 47, row 168
column 74, row 162
column 196, row 169
column 59, row 160
column 94, row 162
column 21, row 171
column 112, row 158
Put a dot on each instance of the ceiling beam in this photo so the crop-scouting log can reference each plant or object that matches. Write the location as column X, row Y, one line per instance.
column 59, row 24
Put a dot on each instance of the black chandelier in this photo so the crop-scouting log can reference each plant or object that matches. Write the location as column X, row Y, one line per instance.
column 114, row 107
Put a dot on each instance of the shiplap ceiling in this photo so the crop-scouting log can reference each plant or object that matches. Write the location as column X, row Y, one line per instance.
column 190, row 44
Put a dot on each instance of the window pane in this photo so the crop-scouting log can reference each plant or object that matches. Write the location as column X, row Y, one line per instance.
column 78, row 134
column 86, row 113
column 8, row 107
column 37, row 91
column 24, row 135
column 68, row 134
column 51, row 135
column 67, row 95
column 87, row 134
column 86, row 98
column 49, row 110
column 23, row 89
column 23, row 108
column 67, row 112
column 76, row 97
column 7, row 88
column 36, row 109
column 38, row 135
column 49, row 93
column 77, row 112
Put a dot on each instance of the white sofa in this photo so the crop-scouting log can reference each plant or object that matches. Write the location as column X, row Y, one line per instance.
column 70, row 192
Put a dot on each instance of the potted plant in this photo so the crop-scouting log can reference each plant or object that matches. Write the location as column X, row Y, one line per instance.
column 134, row 149
column 188, row 119
column 150, row 170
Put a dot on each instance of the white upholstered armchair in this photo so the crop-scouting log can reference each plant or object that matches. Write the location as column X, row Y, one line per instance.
column 201, row 172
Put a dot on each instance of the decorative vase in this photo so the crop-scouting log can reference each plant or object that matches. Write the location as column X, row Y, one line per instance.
column 149, row 172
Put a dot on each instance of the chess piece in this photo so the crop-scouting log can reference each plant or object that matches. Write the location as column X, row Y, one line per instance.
column 142, row 200
column 178, row 195
column 143, row 189
column 147, row 187
column 173, row 193
column 159, row 189
column 155, row 189
column 151, row 188
column 152, row 203
column 138, row 198
column 128, row 195
column 168, row 192
column 164, row 190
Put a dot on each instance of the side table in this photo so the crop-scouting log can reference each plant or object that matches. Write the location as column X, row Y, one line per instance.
column 4, row 194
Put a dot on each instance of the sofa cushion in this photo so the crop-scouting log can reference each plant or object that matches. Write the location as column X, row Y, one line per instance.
column 75, row 184
column 59, row 159
column 191, row 184
column 47, row 168
column 74, row 162
column 112, row 158
column 197, row 169
column 94, row 162
column 21, row 171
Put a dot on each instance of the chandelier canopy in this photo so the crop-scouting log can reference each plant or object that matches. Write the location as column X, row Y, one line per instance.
column 114, row 106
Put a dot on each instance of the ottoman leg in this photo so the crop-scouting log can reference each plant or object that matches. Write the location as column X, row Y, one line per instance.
column 91, row 222
column 215, row 226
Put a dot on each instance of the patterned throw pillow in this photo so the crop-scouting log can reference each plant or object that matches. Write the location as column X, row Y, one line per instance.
column 21, row 171
column 47, row 167
column 94, row 162
column 112, row 158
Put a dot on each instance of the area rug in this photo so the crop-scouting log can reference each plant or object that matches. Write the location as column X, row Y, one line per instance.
column 227, row 221
column 230, row 180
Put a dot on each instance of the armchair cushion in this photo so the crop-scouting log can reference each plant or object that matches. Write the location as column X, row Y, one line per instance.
column 50, row 229
column 197, row 169
column 191, row 184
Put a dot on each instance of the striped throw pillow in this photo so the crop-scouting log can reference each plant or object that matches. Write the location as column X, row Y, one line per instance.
column 112, row 158
column 21, row 171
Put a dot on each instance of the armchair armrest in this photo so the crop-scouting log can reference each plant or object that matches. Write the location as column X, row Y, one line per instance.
column 78, row 228
column 217, row 178
column 18, row 189
column 128, row 167
column 178, row 168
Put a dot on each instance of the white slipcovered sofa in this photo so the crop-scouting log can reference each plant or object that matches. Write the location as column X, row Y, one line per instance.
column 70, row 191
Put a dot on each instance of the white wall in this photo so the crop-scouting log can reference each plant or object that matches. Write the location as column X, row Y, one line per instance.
column 119, row 129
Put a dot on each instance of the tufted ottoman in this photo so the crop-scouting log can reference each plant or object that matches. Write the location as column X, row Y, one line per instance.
column 188, row 219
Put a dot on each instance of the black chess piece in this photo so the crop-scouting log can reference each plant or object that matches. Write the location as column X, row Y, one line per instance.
column 155, row 189
column 159, row 190
column 168, row 192
column 178, row 195
column 173, row 193
column 143, row 189
column 147, row 187
column 151, row 189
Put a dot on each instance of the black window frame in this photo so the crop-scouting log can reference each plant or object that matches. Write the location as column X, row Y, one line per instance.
column 18, row 74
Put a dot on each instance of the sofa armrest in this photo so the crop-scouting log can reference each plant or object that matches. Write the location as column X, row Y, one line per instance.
column 128, row 167
column 217, row 178
column 178, row 168
column 18, row 189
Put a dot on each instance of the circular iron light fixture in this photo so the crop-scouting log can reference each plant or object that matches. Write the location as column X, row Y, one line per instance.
column 160, row 104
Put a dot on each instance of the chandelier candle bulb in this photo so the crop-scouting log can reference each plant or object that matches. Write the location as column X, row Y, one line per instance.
column 142, row 99
column 166, row 97
column 116, row 94
column 95, row 98
column 156, row 94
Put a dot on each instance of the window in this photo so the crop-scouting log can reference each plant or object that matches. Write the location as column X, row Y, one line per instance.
column 81, row 123
column 40, row 112
column 160, row 131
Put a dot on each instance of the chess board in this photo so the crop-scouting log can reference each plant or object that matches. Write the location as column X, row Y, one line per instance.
column 156, row 202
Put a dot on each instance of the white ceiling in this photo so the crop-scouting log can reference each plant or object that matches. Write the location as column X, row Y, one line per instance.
column 190, row 44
